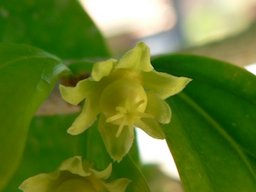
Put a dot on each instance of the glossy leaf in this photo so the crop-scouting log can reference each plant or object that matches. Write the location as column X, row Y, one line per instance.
column 207, row 159
column 60, row 27
column 27, row 76
column 212, row 131
column 225, row 91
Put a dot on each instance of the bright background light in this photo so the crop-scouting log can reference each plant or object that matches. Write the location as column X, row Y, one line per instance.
column 143, row 17
column 156, row 151
column 251, row 68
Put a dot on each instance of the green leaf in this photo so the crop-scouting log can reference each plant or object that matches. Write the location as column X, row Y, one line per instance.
column 207, row 159
column 226, row 92
column 253, row 162
column 27, row 76
column 237, row 115
column 212, row 132
column 60, row 27
column 48, row 144
column 128, row 169
column 95, row 150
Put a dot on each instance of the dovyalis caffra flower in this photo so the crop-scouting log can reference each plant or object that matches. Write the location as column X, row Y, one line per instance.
column 76, row 176
column 125, row 93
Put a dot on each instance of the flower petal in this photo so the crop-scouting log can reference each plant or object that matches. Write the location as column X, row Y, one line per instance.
column 74, row 165
column 137, row 58
column 118, row 185
column 117, row 147
column 88, row 115
column 151, row 127
column 104, row 174
column 42, row 183
column 102, row 69
column 74, row 95
column 163, row 84
column 158, row 108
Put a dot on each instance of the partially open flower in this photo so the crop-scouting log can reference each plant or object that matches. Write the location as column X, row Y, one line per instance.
column 126, row 94
column 74, row 176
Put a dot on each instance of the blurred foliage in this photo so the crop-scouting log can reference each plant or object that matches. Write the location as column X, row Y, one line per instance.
column 60, row 27
column 238, row 48
column 27, row 76
column 211, row 135
column 48, row 144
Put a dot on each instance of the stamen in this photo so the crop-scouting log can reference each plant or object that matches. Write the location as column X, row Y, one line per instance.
column 127, row 115
column 120, row 128
column 115, row 117
column 139, row 103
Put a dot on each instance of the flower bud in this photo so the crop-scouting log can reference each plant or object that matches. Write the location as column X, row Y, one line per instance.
column 74, row 176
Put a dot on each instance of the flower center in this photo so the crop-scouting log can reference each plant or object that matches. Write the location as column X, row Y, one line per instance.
column 76, row 185
column 123, row 102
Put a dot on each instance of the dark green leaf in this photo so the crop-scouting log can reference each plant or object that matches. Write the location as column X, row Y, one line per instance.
column 212, row 133
column 27, row 75
column 48, row 144
column 253, row 162
column 226, row 92
column 206, row 157
column 95, row 150
column 128, row 169
column 236, row 115
column 60, row 27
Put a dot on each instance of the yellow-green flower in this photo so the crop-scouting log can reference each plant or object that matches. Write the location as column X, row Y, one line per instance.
column 74, row 176
column 125, row 94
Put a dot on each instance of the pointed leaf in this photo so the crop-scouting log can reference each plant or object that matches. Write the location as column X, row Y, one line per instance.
column 206, row 157
column 212, row 123
column 27, row 75
column 225, row 91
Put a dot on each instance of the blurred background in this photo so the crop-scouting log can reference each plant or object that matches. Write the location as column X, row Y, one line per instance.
column 175, row 25
column 220, row 29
